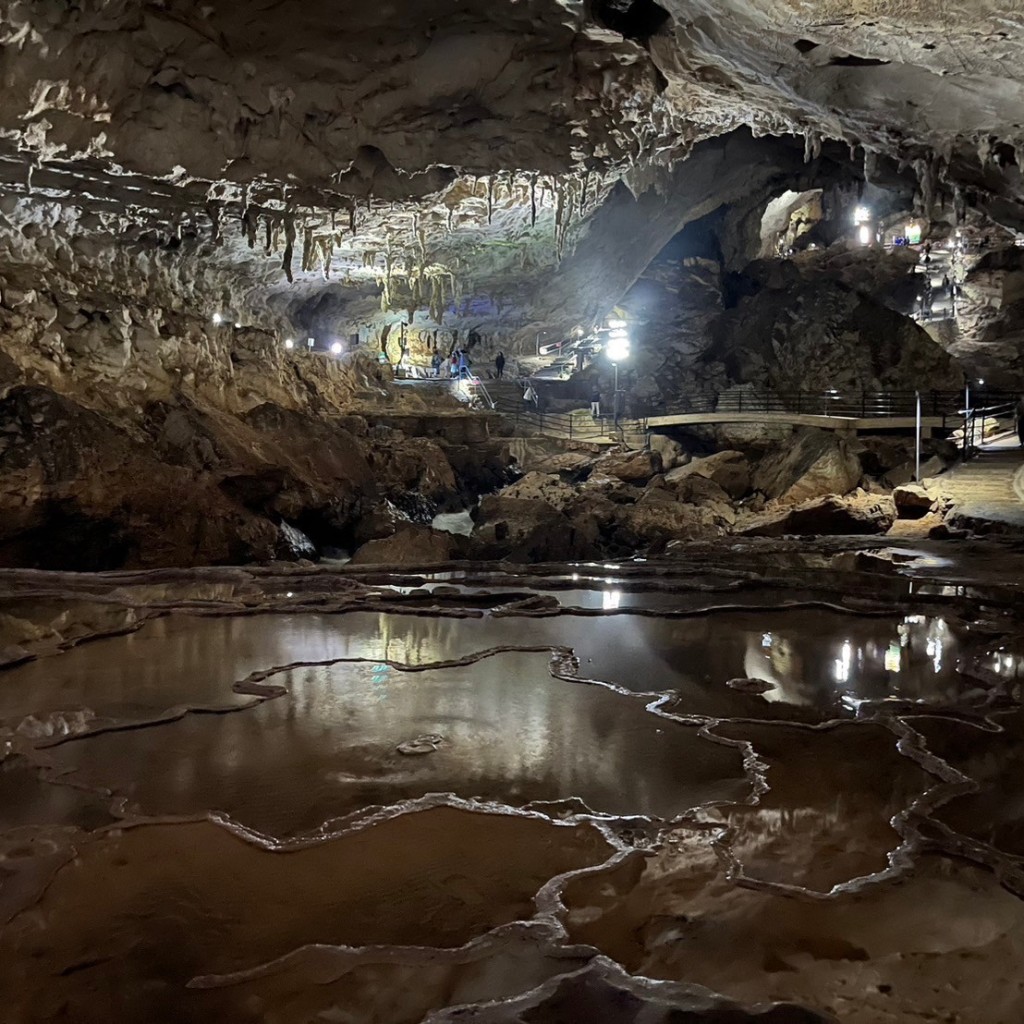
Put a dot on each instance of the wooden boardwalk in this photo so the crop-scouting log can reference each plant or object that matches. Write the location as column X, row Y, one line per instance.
column 991, row 485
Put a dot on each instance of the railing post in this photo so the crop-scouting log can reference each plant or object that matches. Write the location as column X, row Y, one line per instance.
column 863, row 404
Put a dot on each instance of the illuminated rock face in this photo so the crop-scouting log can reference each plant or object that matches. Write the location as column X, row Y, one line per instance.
column 468, row 166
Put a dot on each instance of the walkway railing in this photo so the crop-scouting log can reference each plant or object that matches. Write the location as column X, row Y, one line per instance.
column 978, row 419
column 569, row 426
column 855, row 405
column 862, row 405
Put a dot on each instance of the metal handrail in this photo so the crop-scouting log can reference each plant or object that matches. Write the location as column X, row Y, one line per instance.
column 973, row 442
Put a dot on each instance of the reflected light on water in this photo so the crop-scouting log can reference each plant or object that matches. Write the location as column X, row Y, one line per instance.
column 610, row 599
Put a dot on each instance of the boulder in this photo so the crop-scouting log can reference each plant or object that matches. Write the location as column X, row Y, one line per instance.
column 631, row 467
column 699, row 490
column 881, row 455
column 610, row 487
column 730, row 470
column 411, row 545
column 652, row 525
column 381, row 521
column 658, row 496
column 293, row 544
column 528, row 530
column 547, row 487
column 828, row 516
column 570, row 466
column 912, row 501
column 672, row 452
column 815, row 463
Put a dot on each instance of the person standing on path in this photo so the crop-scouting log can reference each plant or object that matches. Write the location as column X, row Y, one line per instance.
column 499, row 364
column 595, row 403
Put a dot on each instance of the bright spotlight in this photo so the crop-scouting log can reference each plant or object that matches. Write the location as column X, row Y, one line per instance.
column 336, row 348
column 288, row 343
column 864, row 234
column 217, row 318
column 861, row 215
column 618, row 347
column 616, row 323
column 238, row 324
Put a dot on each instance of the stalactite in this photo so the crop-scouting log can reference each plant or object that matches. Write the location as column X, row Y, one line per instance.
column 326, row 245
column 490, row 198
column 559, row 217
column 352, row 217
column 289, row 246
column 213, row 211
column 307, row 250
column 583, row 192
column 533, row 201
column 250, row 225
column 268, row 236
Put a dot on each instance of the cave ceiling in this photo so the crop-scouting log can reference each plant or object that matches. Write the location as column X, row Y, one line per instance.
column 459, row 158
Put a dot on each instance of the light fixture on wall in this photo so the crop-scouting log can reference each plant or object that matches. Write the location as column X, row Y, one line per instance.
column 288, row 343
column 861, row 215
column 336, row 348
column 217, row 318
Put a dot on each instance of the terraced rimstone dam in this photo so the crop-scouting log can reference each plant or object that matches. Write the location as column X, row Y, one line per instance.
column 289, row 793
column 511, row 512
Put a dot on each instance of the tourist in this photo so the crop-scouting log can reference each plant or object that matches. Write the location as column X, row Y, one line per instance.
column 1018, row 419
column 435, row 362
column 453, row 365
column 595, row 403
column 499, row 364
column 530, row 395
column 464, row 370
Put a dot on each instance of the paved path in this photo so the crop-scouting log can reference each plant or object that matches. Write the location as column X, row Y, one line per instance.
column 991, row 485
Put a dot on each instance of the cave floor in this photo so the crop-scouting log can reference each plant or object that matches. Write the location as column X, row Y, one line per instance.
column 755, row 773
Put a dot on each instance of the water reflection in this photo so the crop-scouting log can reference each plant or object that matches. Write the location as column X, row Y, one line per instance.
column 813, row 658
column 510, row 733
column 916, row 659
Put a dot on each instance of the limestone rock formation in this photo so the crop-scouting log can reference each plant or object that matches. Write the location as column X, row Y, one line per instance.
column 410, row 545
column 730, row 470
column 183, row 485
column 636, row 467
column 855, row 514
column 818, row 462
column 912, row 501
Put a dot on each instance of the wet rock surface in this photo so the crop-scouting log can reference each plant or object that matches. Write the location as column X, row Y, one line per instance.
column 763, row 782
